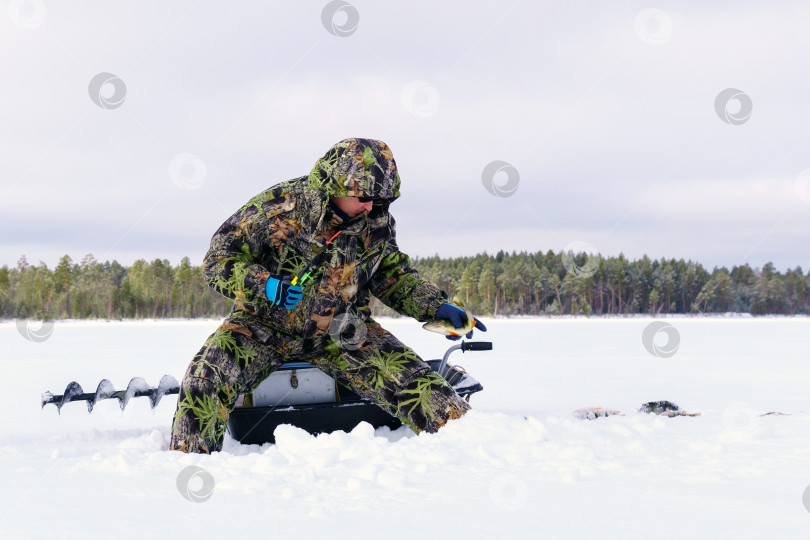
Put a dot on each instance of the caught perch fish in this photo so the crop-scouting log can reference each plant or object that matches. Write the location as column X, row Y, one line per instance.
column 446, row 328
column 665, row 408
column 592, row 413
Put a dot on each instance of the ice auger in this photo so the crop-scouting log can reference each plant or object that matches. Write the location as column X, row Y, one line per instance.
column 137, row 387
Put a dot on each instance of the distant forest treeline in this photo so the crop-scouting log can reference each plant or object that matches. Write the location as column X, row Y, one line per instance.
column 502, row 284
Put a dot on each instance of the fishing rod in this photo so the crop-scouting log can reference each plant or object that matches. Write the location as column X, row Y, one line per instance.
column 305, row 273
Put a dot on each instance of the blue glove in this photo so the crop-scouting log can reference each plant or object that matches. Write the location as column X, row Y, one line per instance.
column 458, row 318
column 282, row 291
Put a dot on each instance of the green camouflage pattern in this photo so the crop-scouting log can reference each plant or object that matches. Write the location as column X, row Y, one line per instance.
column 277, row 233
column 284, row 227
column 357, row 168
column 243, row 352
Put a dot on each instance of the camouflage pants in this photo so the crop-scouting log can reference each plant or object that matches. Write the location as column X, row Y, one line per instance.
column 242, row 353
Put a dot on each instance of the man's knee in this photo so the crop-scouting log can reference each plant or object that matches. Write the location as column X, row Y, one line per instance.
column 428, row 402
column 201, row 416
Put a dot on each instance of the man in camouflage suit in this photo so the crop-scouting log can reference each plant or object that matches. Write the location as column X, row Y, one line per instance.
column 254, row 256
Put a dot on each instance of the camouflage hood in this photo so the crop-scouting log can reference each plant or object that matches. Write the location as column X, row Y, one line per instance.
column 357, row 168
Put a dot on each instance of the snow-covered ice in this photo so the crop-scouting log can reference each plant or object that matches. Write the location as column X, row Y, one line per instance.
column 520, row 465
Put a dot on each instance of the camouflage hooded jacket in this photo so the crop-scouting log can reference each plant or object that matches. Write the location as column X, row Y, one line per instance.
column 284, row 227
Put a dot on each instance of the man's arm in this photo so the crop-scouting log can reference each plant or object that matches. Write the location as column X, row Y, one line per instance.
column 401, row 288
column 231, row 265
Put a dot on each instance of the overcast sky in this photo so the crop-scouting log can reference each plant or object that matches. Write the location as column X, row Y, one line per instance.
column 609, row 121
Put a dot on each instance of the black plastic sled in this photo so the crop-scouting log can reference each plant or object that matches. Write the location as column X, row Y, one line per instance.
column 304, row 396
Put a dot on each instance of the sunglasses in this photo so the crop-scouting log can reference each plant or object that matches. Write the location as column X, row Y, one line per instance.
column 365, row 199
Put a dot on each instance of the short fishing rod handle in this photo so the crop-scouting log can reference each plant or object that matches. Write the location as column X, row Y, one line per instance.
column 476, row 346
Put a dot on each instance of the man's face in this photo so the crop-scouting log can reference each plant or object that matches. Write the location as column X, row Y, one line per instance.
column 352, row 205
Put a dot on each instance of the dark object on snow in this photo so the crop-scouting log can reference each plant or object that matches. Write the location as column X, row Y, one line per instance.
column 137, row 387
column 304, row 396
column 664, row 408
column 659, row 407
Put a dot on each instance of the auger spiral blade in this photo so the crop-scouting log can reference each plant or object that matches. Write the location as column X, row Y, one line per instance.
column 137, row 387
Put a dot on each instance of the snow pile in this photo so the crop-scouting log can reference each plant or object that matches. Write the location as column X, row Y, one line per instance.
column 519, row 465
